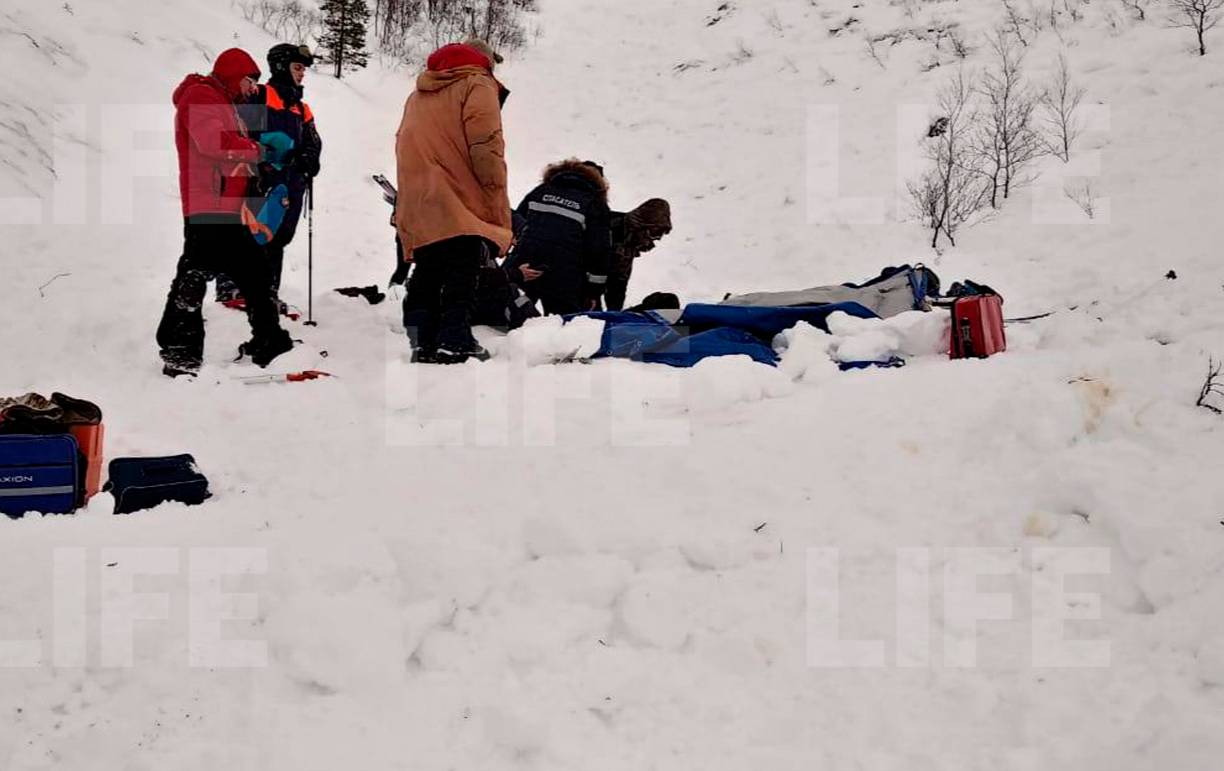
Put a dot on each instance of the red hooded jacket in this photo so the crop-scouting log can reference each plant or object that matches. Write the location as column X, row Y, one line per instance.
column 216, row 157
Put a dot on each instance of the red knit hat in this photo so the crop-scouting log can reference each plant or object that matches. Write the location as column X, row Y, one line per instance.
column 455, row 55
column 232, row 66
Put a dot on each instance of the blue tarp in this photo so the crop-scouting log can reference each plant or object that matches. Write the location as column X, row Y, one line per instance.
column 766, row 322
column 705, row 330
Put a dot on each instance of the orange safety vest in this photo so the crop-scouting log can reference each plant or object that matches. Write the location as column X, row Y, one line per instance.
column 274, row 102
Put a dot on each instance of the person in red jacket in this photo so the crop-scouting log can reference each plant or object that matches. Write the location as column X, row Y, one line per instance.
column 217, row 162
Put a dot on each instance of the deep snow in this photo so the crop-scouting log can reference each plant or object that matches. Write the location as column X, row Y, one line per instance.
column 522, row 565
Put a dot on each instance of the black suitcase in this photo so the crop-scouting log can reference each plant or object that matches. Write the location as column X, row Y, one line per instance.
column 142, row 483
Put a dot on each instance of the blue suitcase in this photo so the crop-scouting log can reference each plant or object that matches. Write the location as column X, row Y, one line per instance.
column 39, row 473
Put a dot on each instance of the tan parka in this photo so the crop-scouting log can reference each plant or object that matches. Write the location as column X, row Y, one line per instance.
column 450, row 158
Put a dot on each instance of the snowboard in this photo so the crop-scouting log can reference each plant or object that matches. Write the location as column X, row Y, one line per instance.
column 271, row 215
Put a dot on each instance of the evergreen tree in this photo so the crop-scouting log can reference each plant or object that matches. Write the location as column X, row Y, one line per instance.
column 344, row 34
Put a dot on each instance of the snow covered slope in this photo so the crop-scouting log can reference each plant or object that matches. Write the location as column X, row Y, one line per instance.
column 515, row 565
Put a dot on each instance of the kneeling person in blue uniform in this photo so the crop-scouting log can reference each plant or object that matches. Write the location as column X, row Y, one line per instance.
column 566, row 237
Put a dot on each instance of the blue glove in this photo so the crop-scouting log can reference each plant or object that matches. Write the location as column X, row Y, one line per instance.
column 276, row 147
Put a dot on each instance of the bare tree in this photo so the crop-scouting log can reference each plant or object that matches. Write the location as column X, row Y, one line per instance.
column 284, row 19
column 404, row 27
column 951, row 192
column 497, row 21
column 1016, row 22
column 265, row 12
column 298, row 23
column 394, row 23
column 247, row 9
column 1212, row 386
column 1061, row 100
column 1005, row 139
column 1198, row 15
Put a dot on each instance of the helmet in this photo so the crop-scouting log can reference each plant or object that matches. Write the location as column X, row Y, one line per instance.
column 281, row 56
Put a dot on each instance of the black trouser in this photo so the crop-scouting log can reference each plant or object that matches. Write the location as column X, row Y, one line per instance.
column 213, row 244
column 558, row 297
column 499, row 302
column 227, row 287
column 442, row 291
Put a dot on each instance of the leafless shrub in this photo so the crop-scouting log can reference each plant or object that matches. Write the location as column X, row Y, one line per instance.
column 1137, row 7
column 874, row 54
column 742, row 52
column 1084, row 197
column 774, row 22
column 951, row 192
column 1005, row 140
column 1198, row 15
column 298, row 23
column 497, row 21
column 246, row 9
column 263, row 11
column 960, row 48
column 408, row 29
column 1212, row 386
column 1061, row 100
column 289, row 20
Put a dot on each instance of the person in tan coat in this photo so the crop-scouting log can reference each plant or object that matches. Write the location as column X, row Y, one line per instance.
column 453, row 211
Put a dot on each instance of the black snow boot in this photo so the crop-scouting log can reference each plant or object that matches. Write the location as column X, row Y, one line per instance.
column 175, row 371
column 457, row 354
column 422, row 336
column 178, row 365
column 263, row 350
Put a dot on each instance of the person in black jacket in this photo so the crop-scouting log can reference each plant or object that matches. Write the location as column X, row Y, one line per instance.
column 634, row 233
column 278, row 107
column 566, row 238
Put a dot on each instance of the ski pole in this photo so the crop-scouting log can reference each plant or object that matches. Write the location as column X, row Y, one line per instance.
column 310, row 322
column 288, row 377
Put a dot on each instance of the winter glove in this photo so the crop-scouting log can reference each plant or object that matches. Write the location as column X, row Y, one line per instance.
column 307, row 164
column 266, row 178
column 276, row 147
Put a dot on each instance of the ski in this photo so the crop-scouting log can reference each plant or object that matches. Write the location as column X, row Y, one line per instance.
column 390, row 194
